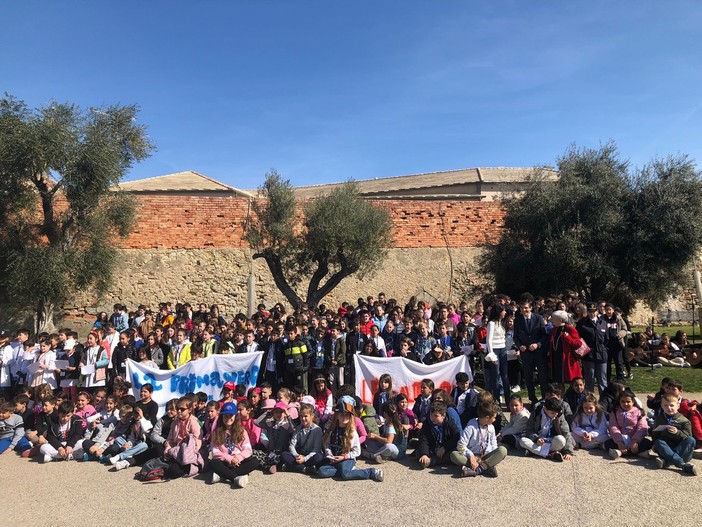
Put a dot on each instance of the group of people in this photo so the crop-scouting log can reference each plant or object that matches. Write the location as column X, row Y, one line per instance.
column 68, row 400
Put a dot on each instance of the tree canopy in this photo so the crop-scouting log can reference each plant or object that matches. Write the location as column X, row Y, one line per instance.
column 335, row 236
column 603, row 230
column 59, row 216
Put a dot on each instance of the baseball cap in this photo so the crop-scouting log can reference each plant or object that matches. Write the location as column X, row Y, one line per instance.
column 228, row 409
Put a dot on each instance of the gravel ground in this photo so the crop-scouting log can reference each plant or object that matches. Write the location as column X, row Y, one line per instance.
column 588, row 491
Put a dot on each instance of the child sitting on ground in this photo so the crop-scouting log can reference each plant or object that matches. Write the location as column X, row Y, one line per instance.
column 64, row 435
column 477, row 451
column 438, row 437
column 672, row 437
column 342, row 447
column 518, row 418
column 628, row 429
column 305, row 450
column 590, row 424
column 12, row 431
column 547, row 433
column 278, row 428
column 555, row 390
column 390, row 442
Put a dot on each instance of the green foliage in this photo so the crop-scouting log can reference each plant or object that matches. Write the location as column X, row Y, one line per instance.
column 601, row 230
column 58, row 215
column 340, row 235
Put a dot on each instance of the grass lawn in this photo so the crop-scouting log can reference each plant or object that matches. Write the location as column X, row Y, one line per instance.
column 647, row 381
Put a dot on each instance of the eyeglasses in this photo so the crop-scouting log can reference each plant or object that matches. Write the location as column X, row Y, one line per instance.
column 182, row 409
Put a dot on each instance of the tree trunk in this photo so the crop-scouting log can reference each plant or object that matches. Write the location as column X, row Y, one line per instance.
column 44, row 317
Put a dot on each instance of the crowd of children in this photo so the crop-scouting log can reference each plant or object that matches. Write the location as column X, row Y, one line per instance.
column 64, row 400
column 247, row 431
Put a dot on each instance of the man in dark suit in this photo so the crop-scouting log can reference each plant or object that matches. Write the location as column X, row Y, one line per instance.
column 355, row 340
column 530, row 337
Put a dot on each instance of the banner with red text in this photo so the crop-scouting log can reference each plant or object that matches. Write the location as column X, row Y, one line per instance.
column 406, row 374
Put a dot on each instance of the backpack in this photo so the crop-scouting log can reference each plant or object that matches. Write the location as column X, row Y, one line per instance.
column 152, row 470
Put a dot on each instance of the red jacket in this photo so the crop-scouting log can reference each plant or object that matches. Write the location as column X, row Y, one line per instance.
column 694, row 416
column 570, row 341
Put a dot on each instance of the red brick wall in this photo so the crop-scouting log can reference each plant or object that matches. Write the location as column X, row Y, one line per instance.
column 198, row 222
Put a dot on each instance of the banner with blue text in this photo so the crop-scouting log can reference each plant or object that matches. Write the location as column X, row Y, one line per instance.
column 205, row 375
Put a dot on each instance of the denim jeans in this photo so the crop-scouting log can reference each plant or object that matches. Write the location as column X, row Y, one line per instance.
column 345, row 470
column 676, row 455
column 131, row 451
column 595, row 372
column 22, row 445
column 494, row 372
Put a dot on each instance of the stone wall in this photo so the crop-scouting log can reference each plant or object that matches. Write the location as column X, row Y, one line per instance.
column 219, row 276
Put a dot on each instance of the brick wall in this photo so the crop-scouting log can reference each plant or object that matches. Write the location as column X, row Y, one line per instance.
column 192, row 222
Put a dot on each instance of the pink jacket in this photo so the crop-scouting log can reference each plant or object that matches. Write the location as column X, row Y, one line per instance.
column 180, row 431
column 632, row 423
column 239, row 451
column 253, row 430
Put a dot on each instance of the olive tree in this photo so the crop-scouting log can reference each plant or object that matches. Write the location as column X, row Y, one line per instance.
column 59, row 215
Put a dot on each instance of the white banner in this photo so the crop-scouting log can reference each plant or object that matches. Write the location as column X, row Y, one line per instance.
column 205, row 375
column 406, row 374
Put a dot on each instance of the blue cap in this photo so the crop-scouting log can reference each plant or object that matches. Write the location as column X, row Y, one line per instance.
column 228, row 409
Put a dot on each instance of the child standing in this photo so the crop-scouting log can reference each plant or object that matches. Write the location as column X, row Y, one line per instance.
column 231, row 449
column 548, row 434
column 342, row 447
column 590, row 424
column 672, row 437
column 305, row 450
column 477, row 451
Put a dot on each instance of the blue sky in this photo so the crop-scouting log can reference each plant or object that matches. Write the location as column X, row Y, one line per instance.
column 327, row 91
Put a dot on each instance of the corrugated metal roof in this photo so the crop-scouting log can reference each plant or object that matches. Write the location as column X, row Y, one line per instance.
column 428, row 180
column 188, row 181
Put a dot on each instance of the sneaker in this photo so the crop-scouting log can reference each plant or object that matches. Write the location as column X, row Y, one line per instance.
column 25, row 453
column 310, row 471
column 556, row 456
column 516, row 388
column 656, row 365
column 686, row 365
column 113, row 460
column 241, row 481
column 103, row 459
column 47, row 459
column 378, row 474
column 697, row 453
column 489, row 472
column 468, row 472
column 272, row 469
column 689, row 468
column 527, row 452
column 659, row 462
column 214, row 478
column 379, row 459
column 121, row 465
column 630, row 376
column 614, row 453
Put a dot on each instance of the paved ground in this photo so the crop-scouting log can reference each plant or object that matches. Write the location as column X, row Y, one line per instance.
column 589, row 491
